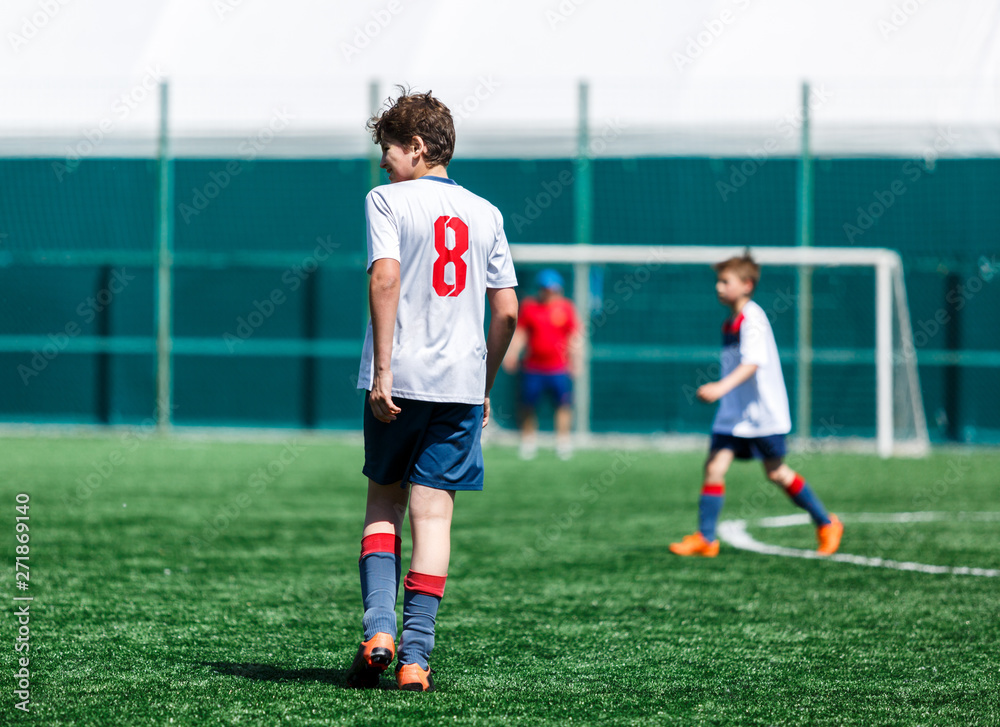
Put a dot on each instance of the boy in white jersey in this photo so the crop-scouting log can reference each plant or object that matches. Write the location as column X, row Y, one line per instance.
column 436, row 254
column 753, row 418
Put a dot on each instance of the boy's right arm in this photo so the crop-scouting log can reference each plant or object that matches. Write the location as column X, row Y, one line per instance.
column 712, row 392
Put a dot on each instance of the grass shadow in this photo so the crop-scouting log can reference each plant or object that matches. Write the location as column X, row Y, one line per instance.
column 271, row 673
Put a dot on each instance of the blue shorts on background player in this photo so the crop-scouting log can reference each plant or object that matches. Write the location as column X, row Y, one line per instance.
column 428, row 401
column 753, row 416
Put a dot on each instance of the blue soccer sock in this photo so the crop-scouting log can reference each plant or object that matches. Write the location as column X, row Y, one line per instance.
column 803, row 496
column 380, row 567
column 709, row 507
column 421, row 597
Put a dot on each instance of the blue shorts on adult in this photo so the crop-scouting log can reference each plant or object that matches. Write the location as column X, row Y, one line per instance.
column 429, row 443
column 769, row 447
column 534, row 384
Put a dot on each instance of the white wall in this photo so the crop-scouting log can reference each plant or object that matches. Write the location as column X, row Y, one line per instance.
column 716, row 76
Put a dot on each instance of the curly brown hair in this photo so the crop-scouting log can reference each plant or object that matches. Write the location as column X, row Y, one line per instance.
column 416, row 114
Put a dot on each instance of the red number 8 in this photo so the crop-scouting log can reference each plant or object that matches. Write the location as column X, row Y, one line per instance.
column 450, row 255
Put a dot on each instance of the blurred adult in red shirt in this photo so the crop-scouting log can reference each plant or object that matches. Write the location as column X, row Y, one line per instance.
column 547, row 330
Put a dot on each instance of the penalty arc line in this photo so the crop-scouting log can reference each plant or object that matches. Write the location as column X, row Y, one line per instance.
column 734, row 532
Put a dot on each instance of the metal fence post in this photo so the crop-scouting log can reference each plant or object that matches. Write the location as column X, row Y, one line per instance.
column 583, row 213
column 803, row 417
column 164, row 270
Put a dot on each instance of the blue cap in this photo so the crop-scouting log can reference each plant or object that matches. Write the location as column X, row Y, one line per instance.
column 549, row 278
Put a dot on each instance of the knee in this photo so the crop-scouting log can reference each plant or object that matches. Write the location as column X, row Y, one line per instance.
column 715, row 475
column 782, row 476
column 427, row 510
column 424, row 516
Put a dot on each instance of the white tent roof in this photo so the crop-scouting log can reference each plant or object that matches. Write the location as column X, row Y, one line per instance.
column 672, row 77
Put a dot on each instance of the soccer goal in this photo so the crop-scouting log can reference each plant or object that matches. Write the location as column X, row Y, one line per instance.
column 840, row 317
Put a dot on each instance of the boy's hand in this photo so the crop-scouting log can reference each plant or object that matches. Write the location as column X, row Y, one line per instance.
column 710, row 393
column 486, row 411
column 380, row 398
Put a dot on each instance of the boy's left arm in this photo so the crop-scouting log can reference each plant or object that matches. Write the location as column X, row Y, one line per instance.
column 503, row 322
column 383, row 299
column 717, row 389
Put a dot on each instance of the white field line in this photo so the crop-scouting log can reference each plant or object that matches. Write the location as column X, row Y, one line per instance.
column 734, row 532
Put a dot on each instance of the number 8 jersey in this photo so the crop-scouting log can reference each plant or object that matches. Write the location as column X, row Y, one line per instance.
column 451, row 247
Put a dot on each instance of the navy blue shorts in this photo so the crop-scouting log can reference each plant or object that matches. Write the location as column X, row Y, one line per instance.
column 769, row 447
column 533, row 385
column 432, row 444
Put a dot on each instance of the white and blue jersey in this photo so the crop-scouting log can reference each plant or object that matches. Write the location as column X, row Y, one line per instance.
column 451, row 247
column 759, row 406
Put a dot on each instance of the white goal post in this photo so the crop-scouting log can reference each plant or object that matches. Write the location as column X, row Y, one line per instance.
column 890, row 296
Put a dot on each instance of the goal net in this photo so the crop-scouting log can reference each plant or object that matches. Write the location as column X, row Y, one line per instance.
column 652, row 336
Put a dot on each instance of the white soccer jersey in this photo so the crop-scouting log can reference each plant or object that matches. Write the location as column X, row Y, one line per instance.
column 759, row 406
column 451, row 247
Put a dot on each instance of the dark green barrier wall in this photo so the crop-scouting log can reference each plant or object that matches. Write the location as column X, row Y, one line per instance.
column 943, row 219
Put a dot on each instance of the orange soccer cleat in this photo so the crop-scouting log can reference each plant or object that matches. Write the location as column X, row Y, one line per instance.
column 411, row 678
column 371, row 660
column 829, row 536
column 696, row 544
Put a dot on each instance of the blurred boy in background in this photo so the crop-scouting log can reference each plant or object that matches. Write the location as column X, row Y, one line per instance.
column 753, row 417
column 547, row 328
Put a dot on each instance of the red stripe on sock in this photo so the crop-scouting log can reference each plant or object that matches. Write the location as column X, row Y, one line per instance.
column 715, row 489
column 797, row 484
column 423, row 583
column 381, row 543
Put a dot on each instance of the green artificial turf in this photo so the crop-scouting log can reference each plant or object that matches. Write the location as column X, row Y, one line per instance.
column 215, row 583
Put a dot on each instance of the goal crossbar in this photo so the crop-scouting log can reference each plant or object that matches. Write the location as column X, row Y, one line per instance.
column 889, row 286
column 704, row 254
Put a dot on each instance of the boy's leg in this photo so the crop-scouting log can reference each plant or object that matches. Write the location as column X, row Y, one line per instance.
column 529, row 429
column 431, row 511
column 380, row 556
column 529, row 433
column 379, row 567
column 713, row 491
column 829, row 529
column 796, row 488
column 530, row 392
column 564, row 422
column 563, row 391
column 451, row 458
column 430, row 524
